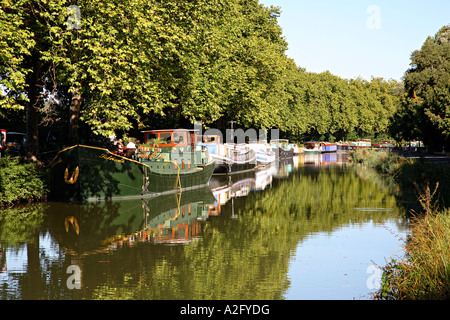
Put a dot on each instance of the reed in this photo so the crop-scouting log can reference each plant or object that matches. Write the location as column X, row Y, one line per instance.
column 424, row 273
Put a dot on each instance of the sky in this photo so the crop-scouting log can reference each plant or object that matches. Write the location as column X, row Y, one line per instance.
column 358, row 38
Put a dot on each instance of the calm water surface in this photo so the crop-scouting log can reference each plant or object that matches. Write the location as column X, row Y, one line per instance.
column 309, row 229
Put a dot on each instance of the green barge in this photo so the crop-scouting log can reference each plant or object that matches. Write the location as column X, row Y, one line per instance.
column 87, row 173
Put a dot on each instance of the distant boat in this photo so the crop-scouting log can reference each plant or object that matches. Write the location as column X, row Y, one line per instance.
column 311, row 146
column 351, row 145
column 284, row 149
column 328, row 147
column 344, row 146
column 228, row 157
column 363, row 143
column 86, row 173
column 315, row 146
column 264, row 153
column 385, row 144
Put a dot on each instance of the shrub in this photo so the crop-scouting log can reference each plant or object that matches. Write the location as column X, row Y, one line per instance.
column 383, row 161
column 20, row 181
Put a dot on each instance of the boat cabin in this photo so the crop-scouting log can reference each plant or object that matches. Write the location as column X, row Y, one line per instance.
column 364, row 143
column 211, row 142
column 279, row 141
column 309, row 145
column 169, row 138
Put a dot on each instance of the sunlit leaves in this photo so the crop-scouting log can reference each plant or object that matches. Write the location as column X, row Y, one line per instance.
column 427, row 84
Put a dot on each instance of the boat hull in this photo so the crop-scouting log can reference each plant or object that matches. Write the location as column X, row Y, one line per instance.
column 332, row 147
column 163, row 182
column 284, row 154
column 237, row 163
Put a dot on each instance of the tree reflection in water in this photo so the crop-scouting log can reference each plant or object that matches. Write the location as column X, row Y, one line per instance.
column 247, row 257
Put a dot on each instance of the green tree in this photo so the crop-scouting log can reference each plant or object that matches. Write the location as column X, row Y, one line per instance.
column 427, row 86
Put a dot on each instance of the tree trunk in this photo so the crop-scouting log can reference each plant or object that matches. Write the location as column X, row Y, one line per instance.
column 33, row 78
column 74, row 114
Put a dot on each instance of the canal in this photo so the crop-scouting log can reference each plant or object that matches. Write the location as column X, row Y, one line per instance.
column 312, row 228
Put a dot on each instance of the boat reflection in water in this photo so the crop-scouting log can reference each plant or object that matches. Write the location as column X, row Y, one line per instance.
column 86, row 229
column 228, row 187
column 173, row 218
column 321, row 159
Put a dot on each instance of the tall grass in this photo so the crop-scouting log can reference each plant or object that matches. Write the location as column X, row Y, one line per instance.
column 424, row 272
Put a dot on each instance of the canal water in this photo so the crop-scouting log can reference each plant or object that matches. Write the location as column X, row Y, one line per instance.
column 311, row 228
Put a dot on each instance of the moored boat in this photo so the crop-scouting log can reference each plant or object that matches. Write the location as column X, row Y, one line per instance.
column 175, row 160
column 283, row 148
column 228, row 157
column 264, row 153
column 81, row 173
column 328, row 147
column 311, row 146
column 351, row 145
column 364, row 143
column 389, row 144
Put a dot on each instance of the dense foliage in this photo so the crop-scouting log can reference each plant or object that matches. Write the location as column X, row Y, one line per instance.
column 20, row 181
column 425, row 109
column 134, row 64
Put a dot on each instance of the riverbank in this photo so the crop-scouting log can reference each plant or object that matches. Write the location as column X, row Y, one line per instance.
column 411, row 172
column 424, row 273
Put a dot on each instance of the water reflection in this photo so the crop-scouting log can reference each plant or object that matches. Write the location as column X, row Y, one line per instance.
column 233, row 240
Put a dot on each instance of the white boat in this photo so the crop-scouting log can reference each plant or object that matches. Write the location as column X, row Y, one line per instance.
column 311, row 146
column 283, row 147
column 264, row 153
column 229, row 157
column 315, row 146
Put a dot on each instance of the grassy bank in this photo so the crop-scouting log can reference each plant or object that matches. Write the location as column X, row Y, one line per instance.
column 424, row 273
column 20, row 181
column 412, row 176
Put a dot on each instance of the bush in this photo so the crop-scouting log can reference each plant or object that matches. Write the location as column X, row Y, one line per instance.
column 20, row 181
column 383, row 161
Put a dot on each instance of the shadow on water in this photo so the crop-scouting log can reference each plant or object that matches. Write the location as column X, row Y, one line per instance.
column 233, row 240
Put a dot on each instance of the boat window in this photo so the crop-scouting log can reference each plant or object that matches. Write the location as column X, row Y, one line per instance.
column 210, row 138
column 179, row 138
column 151, row 137
column 165, row 138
